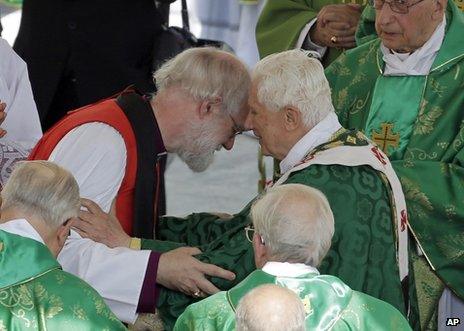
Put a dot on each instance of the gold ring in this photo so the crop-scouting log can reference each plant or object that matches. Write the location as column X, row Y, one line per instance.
column 196, row 294
column 334, row 39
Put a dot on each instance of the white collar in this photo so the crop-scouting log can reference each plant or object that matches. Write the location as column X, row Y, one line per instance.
column 285, row 269
column 318, row 135
column 417, row 63
column 22, row 228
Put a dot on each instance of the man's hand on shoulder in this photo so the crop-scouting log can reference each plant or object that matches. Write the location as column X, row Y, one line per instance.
column 180, row 270
column 99, row 226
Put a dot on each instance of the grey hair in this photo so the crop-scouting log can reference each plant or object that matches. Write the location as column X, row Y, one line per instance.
column 270, row 308
column 207, row 73
column 292, row 78
column 295, row 222
column 42, row 188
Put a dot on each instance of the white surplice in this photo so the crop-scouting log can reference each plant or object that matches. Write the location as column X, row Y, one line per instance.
column 95, row 154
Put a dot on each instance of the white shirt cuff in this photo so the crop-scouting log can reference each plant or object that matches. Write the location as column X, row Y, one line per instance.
column 305, row 38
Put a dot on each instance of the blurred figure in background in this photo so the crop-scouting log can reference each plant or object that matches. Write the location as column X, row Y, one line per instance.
column 79, row 52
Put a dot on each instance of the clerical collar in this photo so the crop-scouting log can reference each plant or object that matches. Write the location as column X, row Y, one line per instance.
column 318, row 135
column 22, row 228
column 285, row 269
column 417, row 63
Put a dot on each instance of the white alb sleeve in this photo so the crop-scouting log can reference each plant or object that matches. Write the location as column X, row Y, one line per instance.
column 95, row 154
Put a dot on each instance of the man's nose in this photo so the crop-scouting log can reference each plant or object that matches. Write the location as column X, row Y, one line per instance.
column 229, row 143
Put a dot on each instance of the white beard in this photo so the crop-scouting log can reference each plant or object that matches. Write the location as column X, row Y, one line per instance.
column 198, row 147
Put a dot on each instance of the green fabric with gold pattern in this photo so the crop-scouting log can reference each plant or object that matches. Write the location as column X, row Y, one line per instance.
column 35, row 294
column 327, row 301
column 362, row 254
column 428, row 156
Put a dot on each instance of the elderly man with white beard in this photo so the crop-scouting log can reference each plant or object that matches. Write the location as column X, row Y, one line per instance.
column 292, row 115
column 116, row 149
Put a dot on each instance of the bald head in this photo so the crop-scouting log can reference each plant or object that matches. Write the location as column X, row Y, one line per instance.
column 295, row 222
column 268, row 308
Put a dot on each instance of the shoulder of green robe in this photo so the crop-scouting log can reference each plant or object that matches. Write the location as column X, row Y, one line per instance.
column 22, row 259
column 351, row 76
column 452, row 48
column 57, row 300
column 210, row 314
column 369, row 313
column 343, row 137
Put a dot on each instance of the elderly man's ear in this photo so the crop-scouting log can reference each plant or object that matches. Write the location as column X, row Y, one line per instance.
column 63, row 232
column 292, row 118
column 439, row 9
column 260, row 252
column 207, row 106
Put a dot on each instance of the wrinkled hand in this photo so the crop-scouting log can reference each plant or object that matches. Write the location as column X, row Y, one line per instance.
column 99, row 226
column 180, row 270
column 340, row 21
column 2, row 118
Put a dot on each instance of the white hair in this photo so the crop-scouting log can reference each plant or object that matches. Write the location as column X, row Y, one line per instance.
column 295, row 222
column 270, row 308
column 292, row 78
column 42, row 188
column 207, row 73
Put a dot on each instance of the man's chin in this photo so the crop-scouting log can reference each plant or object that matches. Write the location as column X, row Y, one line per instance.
column 200, row 163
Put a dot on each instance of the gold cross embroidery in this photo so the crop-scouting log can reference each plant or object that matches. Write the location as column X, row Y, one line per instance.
column 386, row 137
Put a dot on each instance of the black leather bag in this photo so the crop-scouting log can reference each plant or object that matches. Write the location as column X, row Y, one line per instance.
column 172, row 40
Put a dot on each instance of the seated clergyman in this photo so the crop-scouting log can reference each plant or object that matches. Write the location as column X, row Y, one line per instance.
column 292, row 231
column 39, row 201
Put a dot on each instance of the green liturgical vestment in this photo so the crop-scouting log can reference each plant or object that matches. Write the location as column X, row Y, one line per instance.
column 281, row 22
column 35, row 294
column 419, row 122
column 328, row 302
column 363, row 250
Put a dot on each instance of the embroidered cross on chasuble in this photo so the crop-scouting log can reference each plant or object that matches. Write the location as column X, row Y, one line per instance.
column 385, row 137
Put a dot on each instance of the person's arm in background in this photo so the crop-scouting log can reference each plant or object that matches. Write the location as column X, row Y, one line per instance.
column 309, row 25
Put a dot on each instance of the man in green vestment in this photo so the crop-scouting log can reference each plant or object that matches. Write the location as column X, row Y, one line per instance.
column 292, row 114
column 38, row 202
column 405, row 91
column 293, row 228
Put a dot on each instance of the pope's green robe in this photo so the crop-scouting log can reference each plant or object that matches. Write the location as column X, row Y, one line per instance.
column 419, row 120
column 362, row 254
column 327, row 301
column 35, row 294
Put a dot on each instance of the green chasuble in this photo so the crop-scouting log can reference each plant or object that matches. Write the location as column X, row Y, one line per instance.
column 419, row 122
column 327, row 300
column 363, row 250
column 35, row 294
column 281, row 22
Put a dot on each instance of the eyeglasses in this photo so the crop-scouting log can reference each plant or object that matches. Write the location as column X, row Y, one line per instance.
column 249, row 233
column 397, row 6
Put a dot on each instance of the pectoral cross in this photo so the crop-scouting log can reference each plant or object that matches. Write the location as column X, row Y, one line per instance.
column 386, row 137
